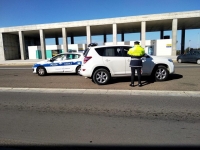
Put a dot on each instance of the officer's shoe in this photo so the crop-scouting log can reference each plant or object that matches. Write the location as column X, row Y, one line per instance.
column 132, row 85
column 140, row 85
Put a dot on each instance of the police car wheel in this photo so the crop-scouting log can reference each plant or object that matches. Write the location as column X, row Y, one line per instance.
column 101, row 76
column 78, row 69
column 161, row 73
column 41, row 71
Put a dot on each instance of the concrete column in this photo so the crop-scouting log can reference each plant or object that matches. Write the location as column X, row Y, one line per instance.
column 161, row 34
column 182, row 41
column 122, row 37
column 72, row 39
column 104, row 38
column 88, row 33
column 42, row 44
column 22, row 45
column 174, row 36
column 115, row 34
column 2, row 54
column 64, row 36
column 57, row 41
column 143, row 33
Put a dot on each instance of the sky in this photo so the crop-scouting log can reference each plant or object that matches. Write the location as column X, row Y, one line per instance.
column 30, row 12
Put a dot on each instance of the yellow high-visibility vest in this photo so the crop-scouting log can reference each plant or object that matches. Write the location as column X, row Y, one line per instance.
column 137, row 50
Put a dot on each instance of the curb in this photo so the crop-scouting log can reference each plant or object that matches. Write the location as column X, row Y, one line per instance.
column 103, row 92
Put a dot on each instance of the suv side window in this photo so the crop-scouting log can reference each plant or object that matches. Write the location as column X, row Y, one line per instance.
column 125, row 50
column 109, row 51
column 100, row 51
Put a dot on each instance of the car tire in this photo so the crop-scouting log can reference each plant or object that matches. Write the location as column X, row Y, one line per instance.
column 161, row 73
column 179, row 60
column 198, row 61
column 41, row 71
column 78, row 69
column 101, row 76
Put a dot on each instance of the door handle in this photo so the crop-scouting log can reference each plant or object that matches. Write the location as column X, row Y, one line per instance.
column 107, row 60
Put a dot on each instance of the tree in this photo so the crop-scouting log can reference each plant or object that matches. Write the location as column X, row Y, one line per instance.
column 178, row 52
column 187, row 50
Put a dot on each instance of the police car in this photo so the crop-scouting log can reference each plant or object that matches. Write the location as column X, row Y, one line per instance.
column 61, row 63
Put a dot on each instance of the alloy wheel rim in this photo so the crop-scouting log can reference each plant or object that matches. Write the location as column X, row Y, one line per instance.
column 101, row 77
column 161, row 74
column 41, row 71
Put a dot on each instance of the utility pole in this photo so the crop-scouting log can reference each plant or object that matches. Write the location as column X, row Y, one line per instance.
column 198, row 42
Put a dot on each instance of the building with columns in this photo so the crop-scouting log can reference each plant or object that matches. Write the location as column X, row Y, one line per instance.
column 14, row 41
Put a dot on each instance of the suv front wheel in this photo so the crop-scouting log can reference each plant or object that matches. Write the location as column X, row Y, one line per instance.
column 101, row 76
column 161, row 73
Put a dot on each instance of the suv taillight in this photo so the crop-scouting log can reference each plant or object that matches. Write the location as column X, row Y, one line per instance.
column 86, row 59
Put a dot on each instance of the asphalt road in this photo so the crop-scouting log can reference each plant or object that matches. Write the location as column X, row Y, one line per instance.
column 74, row 119
column 34, row 118
column 185, row 78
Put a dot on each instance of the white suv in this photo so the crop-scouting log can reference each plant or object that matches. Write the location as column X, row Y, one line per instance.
column 101, row 63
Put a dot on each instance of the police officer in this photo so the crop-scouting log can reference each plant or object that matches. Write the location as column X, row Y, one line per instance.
column 136, row 53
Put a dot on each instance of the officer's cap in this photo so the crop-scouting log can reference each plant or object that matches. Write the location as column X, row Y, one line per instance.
column 136, row 42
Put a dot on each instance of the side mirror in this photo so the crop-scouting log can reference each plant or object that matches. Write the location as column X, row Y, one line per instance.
column 51, row 60
column 143, row 58
column 146, row 56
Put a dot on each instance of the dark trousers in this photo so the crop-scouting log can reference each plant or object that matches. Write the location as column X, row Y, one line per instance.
column 133, row 74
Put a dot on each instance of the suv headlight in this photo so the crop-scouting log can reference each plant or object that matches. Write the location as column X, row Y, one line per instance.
column 170, row 60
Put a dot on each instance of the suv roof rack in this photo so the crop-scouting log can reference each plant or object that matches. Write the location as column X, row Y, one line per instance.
column 92, row 44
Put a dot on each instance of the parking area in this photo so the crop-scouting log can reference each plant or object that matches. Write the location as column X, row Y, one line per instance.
column 185, row 78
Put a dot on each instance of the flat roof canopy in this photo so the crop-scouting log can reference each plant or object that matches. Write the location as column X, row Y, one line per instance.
column 156, row 22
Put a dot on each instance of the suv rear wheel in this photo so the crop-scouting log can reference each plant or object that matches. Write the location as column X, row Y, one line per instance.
column 101, row 76
column 161, row 73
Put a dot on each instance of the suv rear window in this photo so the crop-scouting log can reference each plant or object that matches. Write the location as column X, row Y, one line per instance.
column 86, row 52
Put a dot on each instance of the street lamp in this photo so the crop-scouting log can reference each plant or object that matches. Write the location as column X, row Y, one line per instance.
column 189, row 45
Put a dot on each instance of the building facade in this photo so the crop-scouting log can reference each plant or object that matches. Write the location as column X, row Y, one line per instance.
column 14, row 41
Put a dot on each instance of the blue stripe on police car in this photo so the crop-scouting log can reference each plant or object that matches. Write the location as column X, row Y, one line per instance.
column 58, row 64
